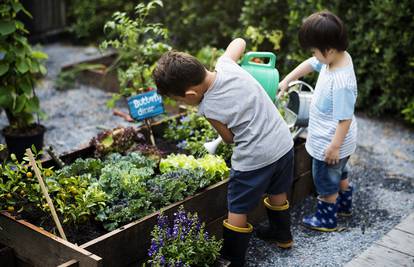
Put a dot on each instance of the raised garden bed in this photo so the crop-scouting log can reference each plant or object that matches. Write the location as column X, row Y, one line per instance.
column 128, row 245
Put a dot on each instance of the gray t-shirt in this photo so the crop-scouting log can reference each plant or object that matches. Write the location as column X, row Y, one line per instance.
column 237, row 100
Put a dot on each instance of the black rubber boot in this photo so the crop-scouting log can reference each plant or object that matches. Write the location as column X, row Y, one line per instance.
column 278, row 230
column 235, row 243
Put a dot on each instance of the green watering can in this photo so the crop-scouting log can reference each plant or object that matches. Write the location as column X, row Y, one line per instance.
column 265, row 73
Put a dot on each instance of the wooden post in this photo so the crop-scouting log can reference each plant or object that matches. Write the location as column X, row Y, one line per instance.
column 148, row 123
column 45, row 193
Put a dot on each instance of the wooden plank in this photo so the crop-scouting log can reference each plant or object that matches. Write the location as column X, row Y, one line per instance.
column 379, row 256
column 407, row 225
column 129, row 244
column 71, row 263
column 303, row 162
column 7, row 257
column 399, row 241
column 40, row 248
column 302, row 187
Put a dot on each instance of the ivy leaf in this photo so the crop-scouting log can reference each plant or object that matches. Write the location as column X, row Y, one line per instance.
column 22, row 66
column 39, row 55
column 20, row 102
column 5, row 100
column 32, row 105
column 4, row 67
column 7, row 27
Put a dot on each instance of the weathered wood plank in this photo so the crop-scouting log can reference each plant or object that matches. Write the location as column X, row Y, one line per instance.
column 39, row 247
column 303, row 162
column 379, row 256
column 407, row 225
column 399, row 241
column 71, row 263
column 302, row 187
column 7, row 257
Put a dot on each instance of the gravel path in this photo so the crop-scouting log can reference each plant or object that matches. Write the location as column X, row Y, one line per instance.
column 382, row 169
column 382, row 172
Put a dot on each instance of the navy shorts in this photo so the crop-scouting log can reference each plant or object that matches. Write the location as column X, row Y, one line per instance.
column 327, row 177
column 246, row 189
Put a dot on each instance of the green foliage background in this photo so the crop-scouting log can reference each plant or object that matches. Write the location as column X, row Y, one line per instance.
column 381, row 34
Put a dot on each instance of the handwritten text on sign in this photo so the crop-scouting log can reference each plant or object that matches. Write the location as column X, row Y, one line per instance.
column 145, row 105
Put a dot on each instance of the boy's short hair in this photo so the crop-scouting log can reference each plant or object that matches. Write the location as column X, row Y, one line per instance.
column 176, row 72
column 323, row 30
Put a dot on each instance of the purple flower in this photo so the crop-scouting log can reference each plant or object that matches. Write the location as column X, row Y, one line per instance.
column 162, row 260
column 184, row 119
column 153, row 249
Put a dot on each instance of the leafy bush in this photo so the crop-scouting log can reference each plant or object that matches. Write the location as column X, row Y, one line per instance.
column 139, row 44
column 87, row 18
column 19, row 65
column 380, row 35
column 185, row 243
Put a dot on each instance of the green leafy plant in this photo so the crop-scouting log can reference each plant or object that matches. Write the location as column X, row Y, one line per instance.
column 139, row 44
column 192, row 132
column 214, row 167
column 184, row 243
column 19, row 66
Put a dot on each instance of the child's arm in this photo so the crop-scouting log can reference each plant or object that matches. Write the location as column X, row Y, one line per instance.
column 223, row 131
column 235, row 49
column 301, row 70
column 332, row 152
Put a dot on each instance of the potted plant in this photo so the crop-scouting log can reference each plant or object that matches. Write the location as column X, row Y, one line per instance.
column 19, row 65
column 139, row 44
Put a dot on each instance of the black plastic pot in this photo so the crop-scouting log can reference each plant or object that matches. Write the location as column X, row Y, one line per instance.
column 18, row 143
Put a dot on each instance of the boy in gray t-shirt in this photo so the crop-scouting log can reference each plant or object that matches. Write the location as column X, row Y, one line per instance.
column 242, row 113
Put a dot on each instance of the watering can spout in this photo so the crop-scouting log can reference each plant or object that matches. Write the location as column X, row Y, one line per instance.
column 211, row 147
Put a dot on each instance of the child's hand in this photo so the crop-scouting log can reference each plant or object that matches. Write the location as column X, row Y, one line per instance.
column 283, row 85
column 332, row 155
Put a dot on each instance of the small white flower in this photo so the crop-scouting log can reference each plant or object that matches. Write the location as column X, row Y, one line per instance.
column 330, row 208
column 330, row 221
column 323, row 221
column 325, row 211
column 314, row 219
column 349, row 198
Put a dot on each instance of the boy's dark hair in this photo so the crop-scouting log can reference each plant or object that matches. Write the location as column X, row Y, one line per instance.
column 176, row 72
column 323, row 30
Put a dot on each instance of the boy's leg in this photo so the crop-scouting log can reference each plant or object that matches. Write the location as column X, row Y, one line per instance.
column 238, row 220
column 326, row 179
column 277, row 205
column 278, row 200
column 344, row 200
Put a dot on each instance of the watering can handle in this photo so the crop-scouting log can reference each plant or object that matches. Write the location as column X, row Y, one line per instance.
column 248, row 56
column 301, row 83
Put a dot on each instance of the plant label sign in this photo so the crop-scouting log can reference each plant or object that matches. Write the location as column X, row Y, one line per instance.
column 145, row 105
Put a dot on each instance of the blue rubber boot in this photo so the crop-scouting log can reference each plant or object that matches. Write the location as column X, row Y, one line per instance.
column 324, row 219
column 344, row 202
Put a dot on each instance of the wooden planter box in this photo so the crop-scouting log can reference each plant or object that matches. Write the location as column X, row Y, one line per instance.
column 128, row 245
